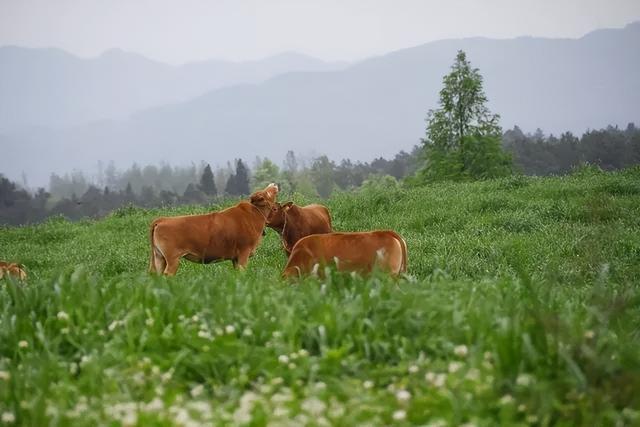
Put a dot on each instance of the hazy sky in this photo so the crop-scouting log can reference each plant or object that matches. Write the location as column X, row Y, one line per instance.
column 186, row 30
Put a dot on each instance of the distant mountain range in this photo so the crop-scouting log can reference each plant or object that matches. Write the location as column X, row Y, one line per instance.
column 372, row 108
column 50, row 87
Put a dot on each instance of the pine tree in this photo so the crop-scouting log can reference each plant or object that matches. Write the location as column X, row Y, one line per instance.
column 463, row 138
column 242, row 179
column 207, row 183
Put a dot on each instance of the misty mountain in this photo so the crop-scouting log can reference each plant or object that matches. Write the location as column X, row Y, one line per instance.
column 373, row 108
column 50, row 87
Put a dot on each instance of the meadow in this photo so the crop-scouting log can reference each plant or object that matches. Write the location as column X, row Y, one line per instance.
column 521, row 307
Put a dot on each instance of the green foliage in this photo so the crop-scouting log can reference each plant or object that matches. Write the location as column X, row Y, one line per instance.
column 463, row 139
column 266, row 172
column 322, row 174
column 207, row 184
column 238, row 182
column 520, row 308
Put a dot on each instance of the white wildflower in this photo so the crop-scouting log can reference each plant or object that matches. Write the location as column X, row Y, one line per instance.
column 522, row 407
column 413, row 369
column 149, row 321
column 204, row 334
column 155, row 405
column 403, row 395
column 195, row 318
column 320, row 385
column 303, row 353
column 85, row 359
column 230, row 329
column 589, row 334
column 247, row 332
column 64, row 331
column 473, row 374
column 507, row 399
column 113, row 325
column 524, row 380
column 292, row 366
column 5, row 375
column 399, row 415
column 197, row 390
column 73, row 368
column 62, row 316
column 167, row 376
column 8, row 417
column 23, row 344
column 438, row 380
column 461, row 350
column 313, row 406
column 277, row 334
column 454, row 367
column 368, row 384
column 283, row 358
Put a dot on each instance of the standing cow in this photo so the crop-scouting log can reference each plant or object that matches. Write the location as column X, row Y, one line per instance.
column 232, row 234
column 12, row 269
column 360, row 252
column 294, row 222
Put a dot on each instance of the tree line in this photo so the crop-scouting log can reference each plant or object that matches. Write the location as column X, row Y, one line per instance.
column 463, row 141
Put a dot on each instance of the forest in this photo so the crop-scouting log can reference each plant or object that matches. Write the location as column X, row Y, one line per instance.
column 75, row 195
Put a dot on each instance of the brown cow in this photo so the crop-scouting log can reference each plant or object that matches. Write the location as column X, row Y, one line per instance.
column 295, row 222
column 359, row 252
column 232, row 234
column 12, row 269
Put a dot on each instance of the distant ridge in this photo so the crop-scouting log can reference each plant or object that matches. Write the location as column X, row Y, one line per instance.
column 373, row 108
column 51, row 87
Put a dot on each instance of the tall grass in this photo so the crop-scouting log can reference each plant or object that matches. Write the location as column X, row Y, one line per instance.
column 521, row 307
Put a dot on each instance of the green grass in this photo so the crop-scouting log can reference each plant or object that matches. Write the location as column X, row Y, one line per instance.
column 521, row 307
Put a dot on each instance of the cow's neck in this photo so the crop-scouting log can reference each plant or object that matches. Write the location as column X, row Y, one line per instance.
column 290, row 235
column 262, row 214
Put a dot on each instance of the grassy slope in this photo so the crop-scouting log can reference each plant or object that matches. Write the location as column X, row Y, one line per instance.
column 536, row 278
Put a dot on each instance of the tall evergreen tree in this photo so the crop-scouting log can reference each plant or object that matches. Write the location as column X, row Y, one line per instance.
column 207, row 183
column 242, row 179
column 463, row 138
column 238, row 182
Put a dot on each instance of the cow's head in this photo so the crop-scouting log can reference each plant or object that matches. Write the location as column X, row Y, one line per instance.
column 266, row 197
column 276, row 218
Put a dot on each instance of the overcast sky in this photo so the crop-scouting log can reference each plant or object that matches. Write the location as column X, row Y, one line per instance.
column 186, row 30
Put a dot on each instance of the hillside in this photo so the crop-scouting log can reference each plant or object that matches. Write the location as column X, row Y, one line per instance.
column 53, row 88
column 373, row 108
column 520, row 308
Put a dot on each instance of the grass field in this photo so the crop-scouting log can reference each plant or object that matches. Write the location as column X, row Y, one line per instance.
column 521, row 307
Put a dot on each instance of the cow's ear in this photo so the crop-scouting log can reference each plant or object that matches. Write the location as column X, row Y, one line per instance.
column 257, row 198
column 287, row 205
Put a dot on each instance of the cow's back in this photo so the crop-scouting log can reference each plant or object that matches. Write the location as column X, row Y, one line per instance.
column 317, row 219
column 357, row 251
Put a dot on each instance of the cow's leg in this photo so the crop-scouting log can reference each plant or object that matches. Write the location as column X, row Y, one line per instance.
column 242, row 259
column 172, row 265
column 159, row 261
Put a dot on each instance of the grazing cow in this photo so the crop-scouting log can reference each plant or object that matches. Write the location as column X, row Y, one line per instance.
column 12, row 269
column 295, row 222
column 232, row 234
column 359, row 252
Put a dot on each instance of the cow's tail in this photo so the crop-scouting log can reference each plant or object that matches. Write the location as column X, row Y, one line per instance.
column 330, row 220
column 404, row 255
column 403, row 246
column 152, row 264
